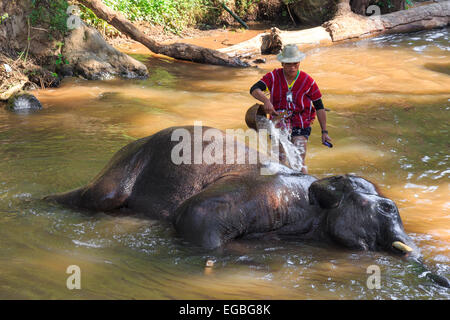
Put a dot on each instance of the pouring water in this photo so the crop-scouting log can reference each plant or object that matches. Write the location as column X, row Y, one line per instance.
column 279, row 134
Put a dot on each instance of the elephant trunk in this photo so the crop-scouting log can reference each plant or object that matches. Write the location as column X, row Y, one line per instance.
column 425, row 271
column 402, row 243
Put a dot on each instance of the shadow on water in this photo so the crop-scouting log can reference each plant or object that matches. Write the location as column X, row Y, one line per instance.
column 438, row 67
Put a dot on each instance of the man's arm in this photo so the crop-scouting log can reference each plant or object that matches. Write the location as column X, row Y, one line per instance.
column 257, row 92
column 322, row 117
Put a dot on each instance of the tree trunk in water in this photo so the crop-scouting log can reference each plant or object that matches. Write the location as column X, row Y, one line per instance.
column 271, row 42
column 179, row 51
column 349, row 25
column 343, row 7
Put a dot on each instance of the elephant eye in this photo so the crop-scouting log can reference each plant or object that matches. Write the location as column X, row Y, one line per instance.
column 387, row 207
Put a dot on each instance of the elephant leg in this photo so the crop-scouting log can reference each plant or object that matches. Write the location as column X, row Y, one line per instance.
column 112, row 186
column 211, row 218
column 231, row 207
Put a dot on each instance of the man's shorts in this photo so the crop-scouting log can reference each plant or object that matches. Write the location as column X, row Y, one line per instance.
column 296, row 131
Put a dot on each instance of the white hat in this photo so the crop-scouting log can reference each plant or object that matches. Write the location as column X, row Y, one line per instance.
column 291, row 54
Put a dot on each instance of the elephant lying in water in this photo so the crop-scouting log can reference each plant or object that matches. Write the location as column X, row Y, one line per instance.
column 210, row 204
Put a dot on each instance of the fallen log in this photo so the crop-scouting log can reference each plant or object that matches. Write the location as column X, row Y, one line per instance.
column 257, row 44
column 347, row 25
column 181, row 51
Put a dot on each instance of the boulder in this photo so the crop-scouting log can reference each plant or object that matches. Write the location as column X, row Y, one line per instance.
column 93, row 58
column 23, row 103
column 313, row 12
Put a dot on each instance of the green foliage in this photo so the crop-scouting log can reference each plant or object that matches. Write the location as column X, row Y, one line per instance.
column 245, row 6
column 61, row 60
column 50, row 12
column 384, row 3
column 389, row 4
column 89, row 17
column 172, row 14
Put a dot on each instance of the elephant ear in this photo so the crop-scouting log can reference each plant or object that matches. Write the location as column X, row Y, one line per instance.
column 328, row 193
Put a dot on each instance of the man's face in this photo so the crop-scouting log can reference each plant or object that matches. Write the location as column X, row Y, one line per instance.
column 290, row 69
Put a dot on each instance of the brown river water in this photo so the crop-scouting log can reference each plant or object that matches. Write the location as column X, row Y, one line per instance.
column 390, row 101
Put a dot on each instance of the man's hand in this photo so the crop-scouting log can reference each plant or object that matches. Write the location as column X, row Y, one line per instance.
column 325, row 137
column 268, row 108
column 322, row 117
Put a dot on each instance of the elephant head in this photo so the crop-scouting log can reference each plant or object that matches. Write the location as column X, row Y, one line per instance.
column 358, row 216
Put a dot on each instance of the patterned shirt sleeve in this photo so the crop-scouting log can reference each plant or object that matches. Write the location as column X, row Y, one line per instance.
column 314, row 92
column 268, row 80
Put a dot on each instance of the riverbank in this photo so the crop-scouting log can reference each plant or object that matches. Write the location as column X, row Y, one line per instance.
column 17, row 73
column 33, row 55
column 44, row 62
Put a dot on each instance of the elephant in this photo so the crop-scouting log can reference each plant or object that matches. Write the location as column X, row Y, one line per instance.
column 212, row 203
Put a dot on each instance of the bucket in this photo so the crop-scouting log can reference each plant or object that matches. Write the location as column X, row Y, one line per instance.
column 252, row 114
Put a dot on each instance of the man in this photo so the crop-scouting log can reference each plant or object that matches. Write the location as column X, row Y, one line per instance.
column 294, row 97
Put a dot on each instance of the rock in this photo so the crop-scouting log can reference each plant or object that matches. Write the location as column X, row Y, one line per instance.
column 314, row 12
column 65, row 70
column 93, row 58
column 259, row 60
column 23, row 102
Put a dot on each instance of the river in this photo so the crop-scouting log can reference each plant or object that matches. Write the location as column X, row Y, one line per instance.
column 389, row 117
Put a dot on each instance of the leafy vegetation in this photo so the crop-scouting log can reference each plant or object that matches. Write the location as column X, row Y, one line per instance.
column 50, row 12
column 173, row 15
column 389, row 4
column 3, row 17
column 89, row 17
column 245, row 6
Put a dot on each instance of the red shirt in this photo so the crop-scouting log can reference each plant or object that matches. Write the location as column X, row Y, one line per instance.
column 301, row 112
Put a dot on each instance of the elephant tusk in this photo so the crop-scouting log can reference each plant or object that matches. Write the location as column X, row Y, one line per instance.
column 402, row 247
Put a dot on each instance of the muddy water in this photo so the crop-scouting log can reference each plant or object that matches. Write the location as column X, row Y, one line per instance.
column 389, row 101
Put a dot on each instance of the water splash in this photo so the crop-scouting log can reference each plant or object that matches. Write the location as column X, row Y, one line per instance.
column 281, row 135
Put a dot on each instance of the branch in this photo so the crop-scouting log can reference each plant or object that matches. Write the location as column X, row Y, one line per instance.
column 179, row 51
